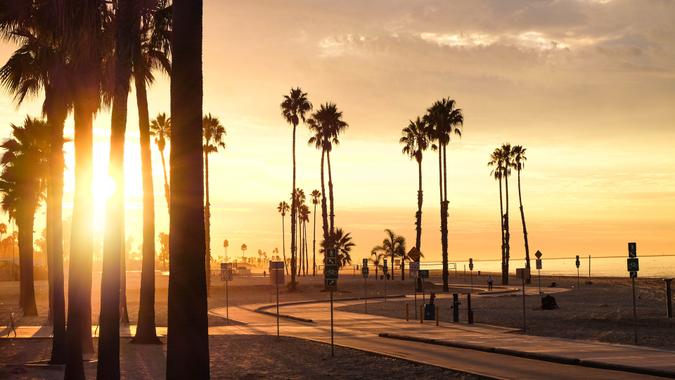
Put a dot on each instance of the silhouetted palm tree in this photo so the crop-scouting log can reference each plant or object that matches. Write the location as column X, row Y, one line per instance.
column 415, row 141
column 283, row 209
column 108, row 365
column 294, row 108
column 393, row 246
column 214, row 133
column 151, row 50
column 299, row 201
column 500, row 159
column 304, row 218
column 342, row 242
column 40, row 63
column 444, row 120
column 22, row 184
column 518, row 163
column 160, row 129
column 187, row 354
column 498, row 173
column 316, row 194
column 376, row 256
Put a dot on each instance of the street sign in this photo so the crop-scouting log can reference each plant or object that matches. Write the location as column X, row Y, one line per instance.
column 330, row 272
column 633, row 264
column 365, row 263
column 365, row 271
column 578, row 262
column 539, row 264
column 538, row 254
column 522, row 273
column 632, row 249
column 385, row 269
column 470, row 263
column 277, row 272
column 424, row 273
column 226, row 272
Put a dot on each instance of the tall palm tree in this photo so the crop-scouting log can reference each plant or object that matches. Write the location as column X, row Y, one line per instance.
column 187, row 354
column 108, row 365
column 304, row 219
column 160, row 129
column 22, row 184
column 376, row 256
column 415, row 141
column 506, row 157
column 342, row 242
column 393, row 246
column 444, row 120
column 299, row 201
column 151, row 50
column 40, row 62
column 213, row 133
column 498, row 172
column 294, row 107
column 283, row 209
column 518, row 163
column 321, row 141
column 316, row 194
column 243, row 247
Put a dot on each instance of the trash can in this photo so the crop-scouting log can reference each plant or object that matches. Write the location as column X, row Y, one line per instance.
column 429, row 312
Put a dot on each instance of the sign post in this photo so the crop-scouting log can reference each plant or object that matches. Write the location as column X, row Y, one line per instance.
column 364, row 271
column 578, row 264
column 424, row 273
column 633, row 268
column 226, row 273
column 385, row 269
column 523, row 274
column 277, row 277
column 471, row 272
column 330, row 278
column 538, row 255
column 415, row 274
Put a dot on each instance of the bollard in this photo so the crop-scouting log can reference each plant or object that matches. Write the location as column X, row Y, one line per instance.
column 455, row 307
column 669, row 298
column 437, row 317
column 469, row 310
column 407, row 312
column 421, row 313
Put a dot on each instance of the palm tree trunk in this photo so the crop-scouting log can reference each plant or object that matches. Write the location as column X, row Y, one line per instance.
column 324, row 211
column 283, row 241
column 187, row 353
column 418, row 219
column 78, row 331
column 522, row 218
column 167, row 192
column 25, row 221
column 113, row 244
column 505, row 273
column 444, row 222
column 314, row 244
column 507, row 233
column 207, row 223
column 293, row 221
column 124, row 310
column 304, row 228
column 56, row 115
column 146, row 332
column 330, row 194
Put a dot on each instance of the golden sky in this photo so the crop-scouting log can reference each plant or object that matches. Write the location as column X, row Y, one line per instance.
column 587, row 86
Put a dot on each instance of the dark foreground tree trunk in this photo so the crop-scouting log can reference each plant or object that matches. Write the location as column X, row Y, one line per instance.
column 146, row 332
column 187, row 340
column 418, row 215
column 112, row 275
column 522, row 218
column 444, row 223
column 294, row 213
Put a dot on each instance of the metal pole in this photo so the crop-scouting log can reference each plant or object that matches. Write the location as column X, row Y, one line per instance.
column 589, row 268
column 227, row 300
column 635, row 322
column 524, row 317
column 385, row 287
column 332, row 346
column 365, row 291
column 471, row 279
column 669, row 297
column 539, row 275
column 277, row 309
column 578, row 281
column 415, row 298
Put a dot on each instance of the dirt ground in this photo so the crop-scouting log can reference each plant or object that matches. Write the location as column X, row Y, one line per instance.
column 232, row 357
column 600, row 311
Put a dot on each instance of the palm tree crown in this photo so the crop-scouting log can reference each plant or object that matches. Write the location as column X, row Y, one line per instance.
column 326, row 124
column 444, row 119
column 160, row 129
column 213, row 134
column 295, row 106
column 342, row 242
column 283, row 208
column 415, row 139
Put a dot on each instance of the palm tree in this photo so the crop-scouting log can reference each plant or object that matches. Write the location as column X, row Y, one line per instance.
column 376, row 256
column 151, row 49
column 299, row 201
column 415, row 141
column 160, row 129
column 187, row 354
column 283, row 209
column 342, row 242
column 321, row 142
column 109, row 331
column 501, row 161
column 22, row 184
column 226, row 244
column 444, row 120
column 393, row 246
column 244, row 247
column 316, row 194
column 40, row 62
column 518, row 163
column 304, row 219
column 163, row 249
column 294, row 107
column 213, row 133
column 498, row 173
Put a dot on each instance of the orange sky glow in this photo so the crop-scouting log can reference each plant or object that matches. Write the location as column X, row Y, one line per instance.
column 586, row 86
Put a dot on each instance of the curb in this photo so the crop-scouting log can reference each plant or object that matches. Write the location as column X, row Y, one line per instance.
column 536, row 356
